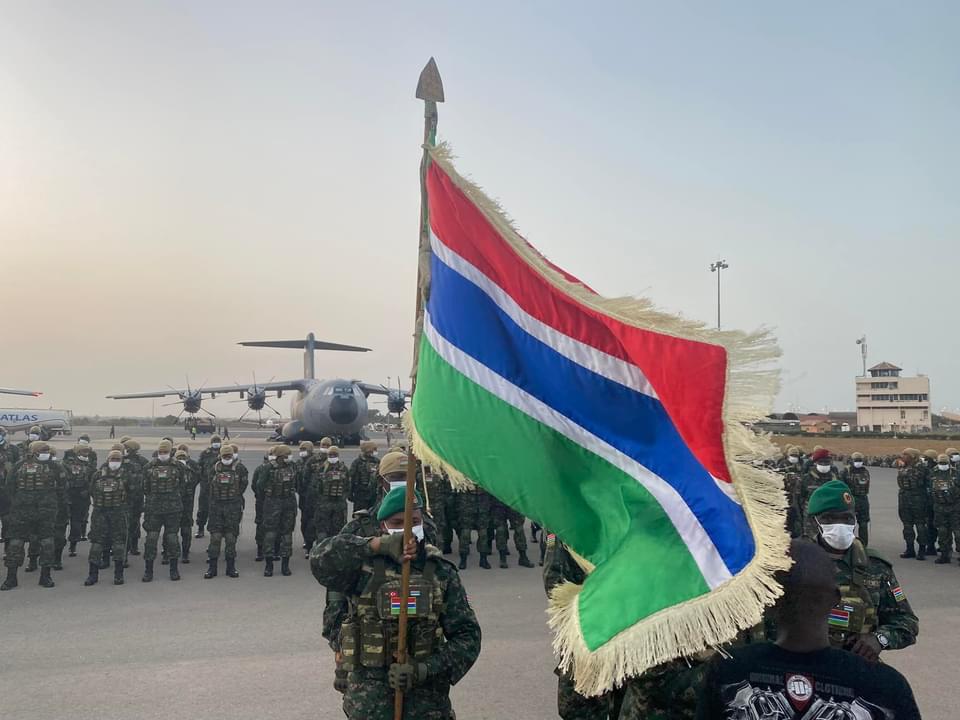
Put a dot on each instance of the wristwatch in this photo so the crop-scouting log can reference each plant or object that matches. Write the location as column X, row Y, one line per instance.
column 883, row 640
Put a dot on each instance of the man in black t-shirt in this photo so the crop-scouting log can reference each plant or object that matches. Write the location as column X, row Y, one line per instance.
column 800, row 677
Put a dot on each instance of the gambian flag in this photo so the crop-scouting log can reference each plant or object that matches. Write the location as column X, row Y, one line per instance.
column 619, row 428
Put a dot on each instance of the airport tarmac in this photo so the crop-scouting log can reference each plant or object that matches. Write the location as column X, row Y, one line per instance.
column 250, row 648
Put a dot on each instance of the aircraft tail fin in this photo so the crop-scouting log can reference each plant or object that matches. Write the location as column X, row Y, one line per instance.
column 309, row 345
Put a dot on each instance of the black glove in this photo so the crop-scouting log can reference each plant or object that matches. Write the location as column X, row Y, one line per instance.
column 405, row 677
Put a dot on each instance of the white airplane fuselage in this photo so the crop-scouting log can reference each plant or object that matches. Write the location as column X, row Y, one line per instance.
column 326, row 408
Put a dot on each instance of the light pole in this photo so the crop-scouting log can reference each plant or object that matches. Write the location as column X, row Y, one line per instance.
column 862, row 342
column 717, row 267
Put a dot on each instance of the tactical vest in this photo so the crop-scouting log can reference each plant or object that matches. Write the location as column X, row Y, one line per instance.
column 224, row 483
column 369, row 634
column 943, row 487
column 109, row 490
column 333, row 481
column 910, row 479
column 166, row 479
column 856, row 613
column 282, row 483
column 76, row 472
column 859, row 482
column 35, row 476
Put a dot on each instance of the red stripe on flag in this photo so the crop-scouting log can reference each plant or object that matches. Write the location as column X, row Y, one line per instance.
column 689, row 377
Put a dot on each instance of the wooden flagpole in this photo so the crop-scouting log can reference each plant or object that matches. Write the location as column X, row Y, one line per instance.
column 430, row 90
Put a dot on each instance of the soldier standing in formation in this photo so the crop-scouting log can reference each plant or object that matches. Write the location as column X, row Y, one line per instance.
column 136, row 466
column 258, row 477
column 819, row 472
column 857, row 478
column 437, row 488
column 79, row 468
column 505, row 519
column 279, row 510
column 912, row 501
column 108, row 492
column 226, row 487
column 191, row 479
column 444, row 636
column 308, row 475
column 945, row 499
column 363, row 477
column 36, row 491
column 473, row 513
column 929, row 462
column 208, row 458
column 330, row 510
column 791, row 471
column 873, row 613
column 9, row 457
column 163, row 507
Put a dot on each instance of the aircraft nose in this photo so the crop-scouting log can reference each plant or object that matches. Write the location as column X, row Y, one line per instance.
column 344, row 410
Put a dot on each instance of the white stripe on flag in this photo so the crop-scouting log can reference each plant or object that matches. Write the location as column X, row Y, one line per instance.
column 610, row 367
column 697, row 540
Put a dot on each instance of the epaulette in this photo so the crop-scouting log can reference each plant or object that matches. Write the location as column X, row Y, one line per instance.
column 874, row 555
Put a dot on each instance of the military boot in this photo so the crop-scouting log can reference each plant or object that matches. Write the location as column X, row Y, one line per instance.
column 484, row 563
column 944, row 559
column 211, row 569
column 83, row 533
column 45, row 579
column 105, row 560
column 232, row 568
column 134, row 548
column 94, row 575
column 58, row 560
column 259, row 557
column 503, row 559
column 147, row 571
column 118, row 572
column 73, row 548
column 185, row 556
column 11, row 582
column 921, row 552
column 268, row 567
column 199, row 531
column 164, row 560
column 174, row 573
column 524, row 561
column 447, row 549
column 909, row 553
column 32, row 564
column 285, row 566
column 463, row 561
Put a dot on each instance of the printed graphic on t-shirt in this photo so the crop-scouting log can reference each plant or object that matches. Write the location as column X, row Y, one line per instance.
column 796, row 696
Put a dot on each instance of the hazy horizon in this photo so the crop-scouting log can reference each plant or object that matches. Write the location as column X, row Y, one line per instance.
column 179, row 177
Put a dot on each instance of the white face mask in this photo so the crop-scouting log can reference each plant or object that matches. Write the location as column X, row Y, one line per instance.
column 33, row 436
column 955, row 458
column 113, row 465
column 823, row 468
column 227, row 460
column 793, row 459
column 943, row 467
column 303, row 453
column 398, row 483
column 182, row 462
column 857, row 464
column 43, row 457
column 163, row 457
column 215, row 446
column 271, row 458
column 839, row 536
column 417, row 531
column 83, row 442
column 333, row 460
column 323, row 450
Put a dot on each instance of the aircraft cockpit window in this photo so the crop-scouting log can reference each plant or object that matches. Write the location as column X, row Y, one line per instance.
column 328, row 390
column 344, row 390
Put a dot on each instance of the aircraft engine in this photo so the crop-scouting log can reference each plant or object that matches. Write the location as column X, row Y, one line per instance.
column 396, row 402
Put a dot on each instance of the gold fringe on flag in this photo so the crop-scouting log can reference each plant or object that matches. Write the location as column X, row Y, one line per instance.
column 713, row 619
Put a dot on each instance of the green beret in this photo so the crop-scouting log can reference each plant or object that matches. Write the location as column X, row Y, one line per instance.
column 834, row 495
column 394, row 501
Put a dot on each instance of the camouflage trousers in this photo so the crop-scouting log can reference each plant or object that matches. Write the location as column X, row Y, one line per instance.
column 279, row 519
column 668, row 692
column 947, row 520
column 79, row 501
column 108, row 526
column 203, row 505
column 913, row 508
column 60, row 528
column 33, row 518
column 329, row 516
column 571, row 705
column 451, row 518
column 134, row 515
column 862, row 505
column 169, row 524
column 258, row 519
column 224, row 526
column 186, row 523
column 505, row 521
column 370, row 697
column 308, row 520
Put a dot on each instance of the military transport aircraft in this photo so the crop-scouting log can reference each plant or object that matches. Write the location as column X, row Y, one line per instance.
column 321, row 408
column 11, row 391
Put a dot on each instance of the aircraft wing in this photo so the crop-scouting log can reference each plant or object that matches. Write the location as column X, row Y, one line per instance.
column 134, row 396
column 269, row 387
column 371, row 389
column 11, row 391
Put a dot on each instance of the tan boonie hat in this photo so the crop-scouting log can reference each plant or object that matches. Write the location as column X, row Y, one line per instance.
column 115, row 455
column 132, row 445
column 367, row 445
column 306, row 445
column 227, row 450
column 326, row 442
column 333, row 450
column 393, row 462
column 282, row 451
column 164, row 446
column 857, row 456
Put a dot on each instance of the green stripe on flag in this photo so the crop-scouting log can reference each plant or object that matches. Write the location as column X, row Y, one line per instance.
column 643, row 566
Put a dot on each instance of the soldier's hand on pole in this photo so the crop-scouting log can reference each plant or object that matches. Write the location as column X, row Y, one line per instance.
column 867, row 647
column 393, row 546
column 406, row 676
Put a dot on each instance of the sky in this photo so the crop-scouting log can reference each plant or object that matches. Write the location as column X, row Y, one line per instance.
column 177, row 177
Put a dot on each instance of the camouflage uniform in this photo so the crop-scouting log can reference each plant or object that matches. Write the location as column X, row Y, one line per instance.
column 109, row 522
column 36, row 490
column 945, row 496
column 559, row 567
column 810, row 481
column 308, row 488
column 279, row 510
column 258, row 476
column 163, row 507
column 9, row 457
column 192, row 471
column 443, row 631
column 208, row 458
column 330, row 510
column 791, row 486
column 438, row 488
column 78, row 470
column 505, row 519
column 473, row 513
column 136, row 464
column 364, row 485
column 912, row 504
column 858, row 480
column 226, row 487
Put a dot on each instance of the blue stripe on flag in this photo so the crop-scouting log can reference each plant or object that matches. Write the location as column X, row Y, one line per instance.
column 633, row 423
